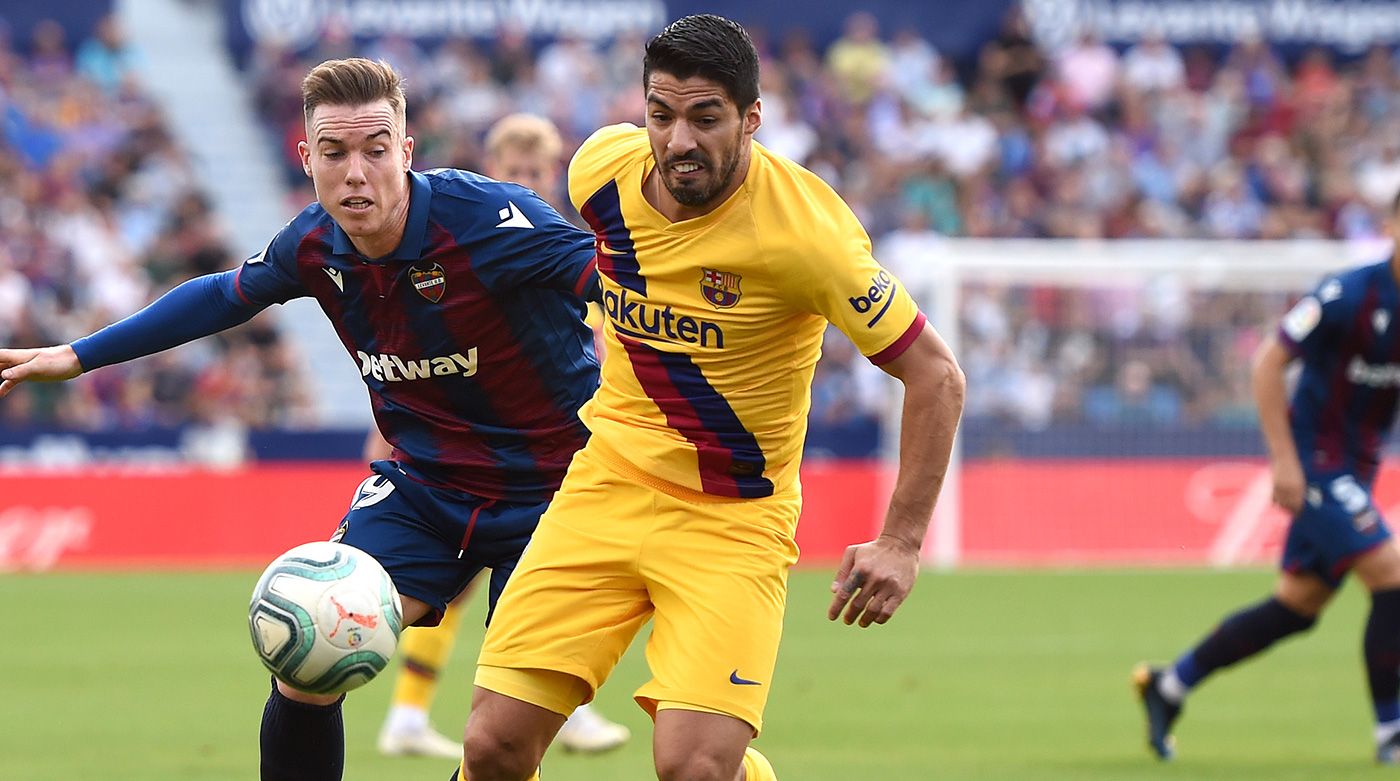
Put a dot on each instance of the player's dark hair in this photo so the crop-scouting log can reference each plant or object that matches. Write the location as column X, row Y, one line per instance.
column 352, row 82
column 710, row 47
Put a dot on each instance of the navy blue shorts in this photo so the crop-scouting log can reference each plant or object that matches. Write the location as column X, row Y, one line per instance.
column 1338, row 523
column 433, row 541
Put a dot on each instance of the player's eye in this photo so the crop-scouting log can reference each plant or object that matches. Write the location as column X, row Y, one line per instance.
column 333, row 154
column 708, row 121
column 659, row 118
column 376, row 153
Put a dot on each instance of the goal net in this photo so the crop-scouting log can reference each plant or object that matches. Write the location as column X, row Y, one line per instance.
column 1109, row 417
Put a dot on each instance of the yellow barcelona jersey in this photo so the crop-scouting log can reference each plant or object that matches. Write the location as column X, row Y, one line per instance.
column 713, row 325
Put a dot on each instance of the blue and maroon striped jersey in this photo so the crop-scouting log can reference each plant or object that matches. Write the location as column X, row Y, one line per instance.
column 470, row 335
column 1349, row 343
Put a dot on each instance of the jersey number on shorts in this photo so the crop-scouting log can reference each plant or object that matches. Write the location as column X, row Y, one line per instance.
column 375, row 489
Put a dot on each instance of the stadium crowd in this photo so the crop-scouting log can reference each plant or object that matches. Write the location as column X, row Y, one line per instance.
column 1151, row 141
column 101, row 213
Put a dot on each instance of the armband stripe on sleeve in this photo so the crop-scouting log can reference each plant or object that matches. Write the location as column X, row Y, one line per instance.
column 902, row 343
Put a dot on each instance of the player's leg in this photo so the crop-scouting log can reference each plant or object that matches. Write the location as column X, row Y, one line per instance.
column 302, row 737
column 573, row 606
column 717, row 574
column 1323, row 541
column 700, row 746
column 424, row 651
column 1379, row 570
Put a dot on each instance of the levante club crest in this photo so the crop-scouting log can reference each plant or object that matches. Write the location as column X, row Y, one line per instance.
column 719, row 288
column 430, row 283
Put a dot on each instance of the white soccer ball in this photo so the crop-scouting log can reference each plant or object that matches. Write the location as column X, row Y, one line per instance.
column 325, row 617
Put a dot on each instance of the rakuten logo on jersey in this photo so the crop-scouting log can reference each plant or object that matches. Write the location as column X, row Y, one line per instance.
column 882, row 289
column 392, row 368
column 640, row 320
column 1379, row 375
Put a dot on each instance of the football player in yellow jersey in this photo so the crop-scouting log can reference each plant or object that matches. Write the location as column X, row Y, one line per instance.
column 721, row 265
column 525, row 149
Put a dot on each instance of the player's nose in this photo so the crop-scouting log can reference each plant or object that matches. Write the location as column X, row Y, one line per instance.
column 682, row 139
column 355, row 172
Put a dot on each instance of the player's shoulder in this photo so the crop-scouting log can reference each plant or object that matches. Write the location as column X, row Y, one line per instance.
column 798, row 208
column 1351, row 285
column 604, row 155
column 457, row 185
column 466, row 199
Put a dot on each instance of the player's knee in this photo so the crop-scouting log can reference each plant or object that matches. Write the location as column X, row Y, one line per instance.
column 493, row 756
column 296, row 695
column 696, row 765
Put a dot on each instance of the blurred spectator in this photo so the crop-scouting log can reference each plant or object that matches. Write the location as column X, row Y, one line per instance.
column 100, row 214
column 1023, row 142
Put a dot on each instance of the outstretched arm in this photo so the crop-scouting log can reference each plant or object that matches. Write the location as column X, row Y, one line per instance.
column 1271, row 395
column 199, row 307
column 876, row 576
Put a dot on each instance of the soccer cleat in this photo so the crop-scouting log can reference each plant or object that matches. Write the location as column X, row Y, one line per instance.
column 1388, row 751
column 1161, row 713
column 587, row 732
column 426, row 742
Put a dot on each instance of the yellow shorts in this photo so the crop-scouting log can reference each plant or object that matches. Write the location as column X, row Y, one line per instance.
column 614, row 550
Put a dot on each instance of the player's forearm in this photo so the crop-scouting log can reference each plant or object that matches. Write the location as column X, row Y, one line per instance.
column 933, row 402
column 200, row 307
column 1271, row 399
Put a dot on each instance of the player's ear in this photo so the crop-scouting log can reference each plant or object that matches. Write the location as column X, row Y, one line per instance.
column 304, row 151
column 753, row 117
column 407, row 153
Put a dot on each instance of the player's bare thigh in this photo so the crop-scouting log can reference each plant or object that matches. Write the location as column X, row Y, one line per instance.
column 1303, row 592
column 412, row 611
column 1379, row 568
column 699, row 745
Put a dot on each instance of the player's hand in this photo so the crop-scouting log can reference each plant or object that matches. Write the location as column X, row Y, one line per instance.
column 1289, row 484
column 39, row 364
column 873, row 580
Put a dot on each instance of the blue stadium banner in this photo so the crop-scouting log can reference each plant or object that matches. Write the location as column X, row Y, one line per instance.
column 956, row 27
column 1348, row 26
column 298, row 24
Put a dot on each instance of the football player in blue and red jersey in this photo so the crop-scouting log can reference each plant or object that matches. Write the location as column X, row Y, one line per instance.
column 1324, row 450
column 461, row 299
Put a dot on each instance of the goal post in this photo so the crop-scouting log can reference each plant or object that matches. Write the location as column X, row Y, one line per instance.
column 1108, row 416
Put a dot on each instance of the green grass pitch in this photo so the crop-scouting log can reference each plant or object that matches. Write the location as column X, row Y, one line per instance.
column 980, row 676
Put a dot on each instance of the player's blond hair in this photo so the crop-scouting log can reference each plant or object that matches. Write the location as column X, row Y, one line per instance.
column 527, row 133
column 353, row 82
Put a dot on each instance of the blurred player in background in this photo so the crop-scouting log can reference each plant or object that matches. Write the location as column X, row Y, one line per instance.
column 721, row 264
column 461, row 300
column 1324, row 450
column 527, row 150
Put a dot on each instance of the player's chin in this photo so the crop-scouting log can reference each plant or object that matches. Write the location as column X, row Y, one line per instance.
column 690, row 193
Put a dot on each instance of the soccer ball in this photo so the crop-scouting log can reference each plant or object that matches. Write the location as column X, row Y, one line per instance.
column 325, row 618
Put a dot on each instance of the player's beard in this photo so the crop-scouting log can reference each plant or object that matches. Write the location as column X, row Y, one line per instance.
column 693, row 196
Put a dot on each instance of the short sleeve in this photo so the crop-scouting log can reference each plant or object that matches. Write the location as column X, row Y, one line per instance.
column 1312, row 324
column 270, row 277
column 835, row 275
column 533, row 246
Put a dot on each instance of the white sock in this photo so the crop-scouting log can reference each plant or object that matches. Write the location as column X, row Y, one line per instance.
column 405, row 720
column 1171, row 687
column 1387, row 730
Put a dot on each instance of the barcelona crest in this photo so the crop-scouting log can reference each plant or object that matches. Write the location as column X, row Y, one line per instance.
column 719, row 288
column 430, row 283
